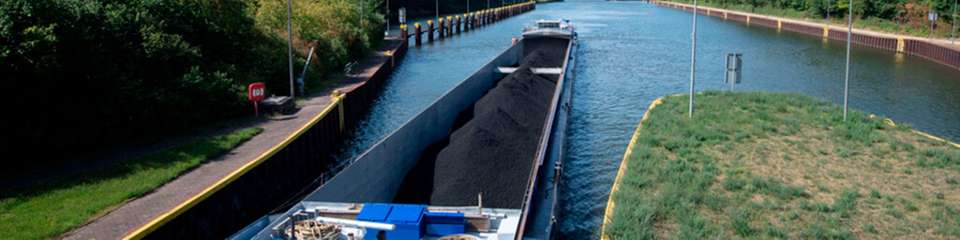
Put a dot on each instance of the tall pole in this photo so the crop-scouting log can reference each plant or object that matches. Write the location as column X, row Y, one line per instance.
column 954, row 23
column 693, row 58
column 290, row 42
column 388, row 18
column 437, row 5
column 468, row 6
column 846, row 80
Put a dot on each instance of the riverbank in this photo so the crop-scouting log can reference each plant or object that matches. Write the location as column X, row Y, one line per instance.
column 781, row 166
column 942, row 51
column 942, row 33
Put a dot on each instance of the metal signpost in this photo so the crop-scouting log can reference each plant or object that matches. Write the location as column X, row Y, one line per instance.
column 932, row 16
column 734, row 68
column 255, row 93
column 693, row 59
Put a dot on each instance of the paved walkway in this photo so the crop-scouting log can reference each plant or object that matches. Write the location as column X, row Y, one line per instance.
column 137, row 212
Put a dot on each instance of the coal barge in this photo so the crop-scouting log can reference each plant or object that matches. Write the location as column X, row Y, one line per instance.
column 482, row 162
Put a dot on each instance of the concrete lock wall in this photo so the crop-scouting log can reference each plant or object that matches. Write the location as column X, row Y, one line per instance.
column 280, row 175
column 376, row 175
column 450, row 25
column 940, row 53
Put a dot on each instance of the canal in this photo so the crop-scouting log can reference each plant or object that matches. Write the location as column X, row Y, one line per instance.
column 633, row 52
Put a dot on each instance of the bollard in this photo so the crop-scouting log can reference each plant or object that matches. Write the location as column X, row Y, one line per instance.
column 477, row 20
column 441, row 30
column 418, row 31
column 449, row 26
column 429, row 30
column 459, row 25
column 403, row 34
column 486, row 18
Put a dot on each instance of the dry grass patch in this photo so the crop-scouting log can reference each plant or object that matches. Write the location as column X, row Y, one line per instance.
column 754, row 165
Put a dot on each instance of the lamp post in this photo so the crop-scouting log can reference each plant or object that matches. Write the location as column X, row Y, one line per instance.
column 846, row 79
column 437, row 5
column 290, row 42
column 693, row 59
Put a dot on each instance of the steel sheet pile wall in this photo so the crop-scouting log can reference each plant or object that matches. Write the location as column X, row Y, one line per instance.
column 934, row 52
column 279, row 176
column 448, row 26
column 943, row 54
column 800, row 28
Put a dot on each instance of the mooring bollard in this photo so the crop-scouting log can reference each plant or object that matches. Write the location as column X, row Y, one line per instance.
column 459, row 24
column 486, row 17
column 429, row 30
column 440, row 28
column 477, row 21
column 417, row 31
column 403, row 34
column 480, row 18
column 449, row 26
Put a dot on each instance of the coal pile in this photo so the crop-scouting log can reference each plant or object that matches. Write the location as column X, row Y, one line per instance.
column 552, row 50
column 494, row 152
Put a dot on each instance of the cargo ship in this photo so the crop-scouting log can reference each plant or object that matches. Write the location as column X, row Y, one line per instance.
column 481, row 162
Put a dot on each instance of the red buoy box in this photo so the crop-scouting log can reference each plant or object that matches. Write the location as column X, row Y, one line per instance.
column 256, row 92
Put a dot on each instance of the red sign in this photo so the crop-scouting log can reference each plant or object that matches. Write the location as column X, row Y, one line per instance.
column 256, row 91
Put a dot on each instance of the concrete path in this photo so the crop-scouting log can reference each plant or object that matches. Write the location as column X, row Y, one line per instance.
column 137, row 212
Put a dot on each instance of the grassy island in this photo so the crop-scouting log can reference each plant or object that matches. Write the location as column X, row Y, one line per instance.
column 781, row 166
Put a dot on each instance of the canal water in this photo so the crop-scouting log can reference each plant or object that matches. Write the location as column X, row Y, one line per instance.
column 632, row 53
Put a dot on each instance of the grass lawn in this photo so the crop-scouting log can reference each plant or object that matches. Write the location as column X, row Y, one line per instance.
column 51, row 210
column 783, row 166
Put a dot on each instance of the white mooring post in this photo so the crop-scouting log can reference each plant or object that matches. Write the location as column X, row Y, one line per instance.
column 693, row 59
